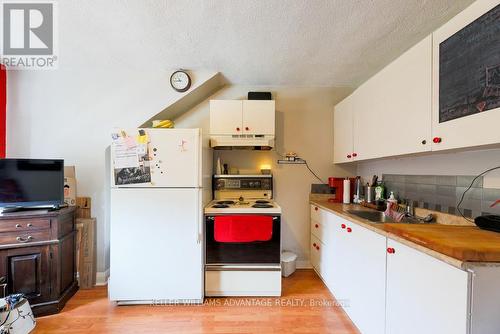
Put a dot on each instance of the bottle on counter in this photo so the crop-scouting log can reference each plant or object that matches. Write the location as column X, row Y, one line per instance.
column 379, row 191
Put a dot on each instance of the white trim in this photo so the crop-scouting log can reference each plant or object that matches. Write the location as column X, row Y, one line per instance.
column 102, row 278
column 304, row 264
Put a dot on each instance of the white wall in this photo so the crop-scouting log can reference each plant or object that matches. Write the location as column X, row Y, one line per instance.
column 304, row 125
column 455, row 163
column 69, row 114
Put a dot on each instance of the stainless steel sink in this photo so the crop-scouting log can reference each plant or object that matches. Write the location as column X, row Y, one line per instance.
column 379, row 217
column 373, row 216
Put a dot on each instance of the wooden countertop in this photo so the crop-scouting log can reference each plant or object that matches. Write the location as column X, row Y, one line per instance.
column 455, row 245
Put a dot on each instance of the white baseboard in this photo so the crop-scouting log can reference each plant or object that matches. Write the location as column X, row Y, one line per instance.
column 102, row 277
column 304, row 264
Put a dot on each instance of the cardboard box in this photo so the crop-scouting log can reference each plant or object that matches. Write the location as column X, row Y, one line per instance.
column 79, row 230
column 87, row 252
column 69, row 185
column 83, row 208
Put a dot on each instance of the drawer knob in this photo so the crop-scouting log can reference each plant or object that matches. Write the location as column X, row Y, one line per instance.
column 18, row 225
column 437, row 140
column 29, row 225
column 317, row 247
column 391, row 250
column 354, row 155
column 349, row 156
column 349, row 229
column 314, row 244
column 247, row 128
column 343, row 225
column 316, row 225
column 237, row 129
column 21, row 239
column 316, row 208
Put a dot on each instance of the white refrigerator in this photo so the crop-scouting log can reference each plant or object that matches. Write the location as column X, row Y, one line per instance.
column 161, row 180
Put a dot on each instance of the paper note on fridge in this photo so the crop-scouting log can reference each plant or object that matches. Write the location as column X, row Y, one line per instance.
column 124, row 156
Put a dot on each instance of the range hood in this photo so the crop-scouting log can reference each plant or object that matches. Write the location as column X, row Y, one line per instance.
column 242, row 142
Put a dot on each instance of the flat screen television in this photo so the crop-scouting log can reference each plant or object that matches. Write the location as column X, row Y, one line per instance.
column 31, row 183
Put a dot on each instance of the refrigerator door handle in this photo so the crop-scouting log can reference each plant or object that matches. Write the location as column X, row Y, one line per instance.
column 198, row 234
column 198, row 220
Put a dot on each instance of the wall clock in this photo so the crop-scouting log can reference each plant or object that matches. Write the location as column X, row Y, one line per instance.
column 180, row 81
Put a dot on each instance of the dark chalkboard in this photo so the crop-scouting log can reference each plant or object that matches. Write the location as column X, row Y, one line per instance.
column 469, row 69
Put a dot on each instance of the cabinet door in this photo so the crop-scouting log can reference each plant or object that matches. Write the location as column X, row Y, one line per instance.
column 226, row 117
column 343, row 130
column 258, row 117
column 340, row 266
column 392, row 114
column 473, row 86
column 365, row 284
column 67, row 258
column 315, row 254
column 424, row 295
column 27, row 271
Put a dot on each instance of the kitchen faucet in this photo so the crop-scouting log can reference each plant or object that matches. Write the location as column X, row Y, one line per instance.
column 409, row 209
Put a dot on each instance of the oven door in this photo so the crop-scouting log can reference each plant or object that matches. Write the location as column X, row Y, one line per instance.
column 244, row 253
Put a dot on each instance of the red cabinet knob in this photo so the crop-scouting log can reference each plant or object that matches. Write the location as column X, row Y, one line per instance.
column 437, row 140
column 316, row 225
column 354, row 155
column 348, row 156
column 247, row 128
column 317, row 247
column 316, row 208
column 391, row 250
column 314, row 244
column 237, row 129
column 349, row 229
column 343, row 225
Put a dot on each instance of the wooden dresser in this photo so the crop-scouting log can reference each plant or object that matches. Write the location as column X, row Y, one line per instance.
column 38, row 257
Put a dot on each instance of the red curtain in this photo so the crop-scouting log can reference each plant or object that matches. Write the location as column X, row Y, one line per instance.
column 3, row 109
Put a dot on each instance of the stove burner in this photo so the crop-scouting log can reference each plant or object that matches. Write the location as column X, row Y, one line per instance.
column 225, row 202
column 262, row 206
column 220, row 206
column 262, row 201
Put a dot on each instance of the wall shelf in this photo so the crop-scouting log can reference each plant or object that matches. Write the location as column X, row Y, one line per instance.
column 294, row 162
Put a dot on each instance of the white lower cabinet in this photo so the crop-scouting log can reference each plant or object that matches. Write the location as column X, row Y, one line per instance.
column 351, row 261
column 388, row 287
column 424, row 295
column 358, row 274
column 365, row 268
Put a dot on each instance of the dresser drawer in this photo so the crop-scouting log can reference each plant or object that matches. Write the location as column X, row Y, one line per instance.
column 24, row 237
column 21, row 225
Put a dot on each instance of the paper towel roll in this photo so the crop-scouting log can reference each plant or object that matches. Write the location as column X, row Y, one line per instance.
column 347, row 191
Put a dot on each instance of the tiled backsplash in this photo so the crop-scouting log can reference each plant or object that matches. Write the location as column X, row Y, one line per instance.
column 443, row 192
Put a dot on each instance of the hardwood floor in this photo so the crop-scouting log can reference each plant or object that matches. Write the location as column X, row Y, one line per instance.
column 89, row 311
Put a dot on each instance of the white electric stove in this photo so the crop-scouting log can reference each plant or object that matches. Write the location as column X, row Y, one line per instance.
column 243, row 268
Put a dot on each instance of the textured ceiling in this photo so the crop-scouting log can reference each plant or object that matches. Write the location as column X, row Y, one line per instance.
column 254, row 42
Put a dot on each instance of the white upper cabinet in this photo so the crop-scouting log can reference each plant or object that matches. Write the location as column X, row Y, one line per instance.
column 442, row 94
column 259, row 117
column 393, row 108
column 226, row 117
column 343, row 130
column 242, row 117
column 465, row 74
column 390, row 114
